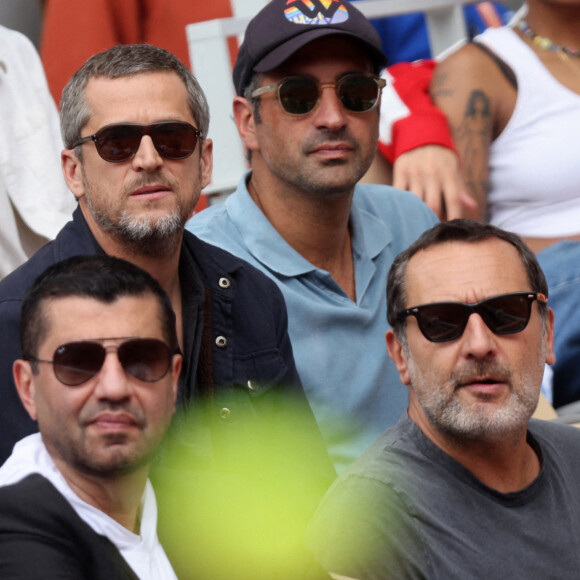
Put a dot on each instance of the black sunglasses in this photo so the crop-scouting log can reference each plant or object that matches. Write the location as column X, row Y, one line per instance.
column 119, row 142
column 300, row 95
column 503, row 314
column 74, row 363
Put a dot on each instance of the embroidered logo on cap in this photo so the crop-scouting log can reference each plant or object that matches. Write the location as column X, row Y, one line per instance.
column 317, row 12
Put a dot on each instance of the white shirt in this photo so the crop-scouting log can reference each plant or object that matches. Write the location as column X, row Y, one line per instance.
column 533, row 166
column 143, row 552
column 35, row 202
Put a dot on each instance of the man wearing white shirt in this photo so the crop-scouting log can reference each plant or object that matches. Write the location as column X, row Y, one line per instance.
column 99, row 373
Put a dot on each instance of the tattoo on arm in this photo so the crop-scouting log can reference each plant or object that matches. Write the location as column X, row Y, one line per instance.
column 438, row 88
column 473, row 138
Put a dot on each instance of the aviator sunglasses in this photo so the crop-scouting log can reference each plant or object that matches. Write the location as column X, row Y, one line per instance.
column 74, row 363
column 503, row 314
column 120, row 141
column 300, row 95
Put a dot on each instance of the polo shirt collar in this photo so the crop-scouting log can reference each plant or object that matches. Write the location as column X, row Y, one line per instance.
column 370, row 235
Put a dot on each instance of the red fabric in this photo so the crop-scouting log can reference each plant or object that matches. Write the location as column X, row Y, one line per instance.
column 202, row 203
column 425, row 124
column 73, row 30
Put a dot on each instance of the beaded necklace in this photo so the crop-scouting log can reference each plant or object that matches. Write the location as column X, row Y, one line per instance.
column 545, row 43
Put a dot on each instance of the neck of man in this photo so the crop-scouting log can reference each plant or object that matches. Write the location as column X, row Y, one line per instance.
column 505, row 462
column 315, row 225
column 164, row 268
column 117, row 495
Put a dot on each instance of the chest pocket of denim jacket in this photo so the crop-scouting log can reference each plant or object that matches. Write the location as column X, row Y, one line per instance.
column 259, row 373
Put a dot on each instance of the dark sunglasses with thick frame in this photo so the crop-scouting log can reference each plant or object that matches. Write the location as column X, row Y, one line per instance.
column 300, row 95
column 120, row 141
column 503, row 314
column 74, row 363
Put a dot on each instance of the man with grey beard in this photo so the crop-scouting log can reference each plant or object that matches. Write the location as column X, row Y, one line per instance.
column 134, row 123
column 466, row 485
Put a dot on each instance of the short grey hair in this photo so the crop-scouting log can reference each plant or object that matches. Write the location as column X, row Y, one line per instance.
column 122, row 61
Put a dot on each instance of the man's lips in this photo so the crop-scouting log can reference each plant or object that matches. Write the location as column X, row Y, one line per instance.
column 154, row 191
column 115, row 421
column 332, row 150
column 484, row 385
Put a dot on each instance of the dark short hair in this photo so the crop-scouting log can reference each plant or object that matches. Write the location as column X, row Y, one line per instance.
column 125, row 60
column 102, row 278
column 458, row 230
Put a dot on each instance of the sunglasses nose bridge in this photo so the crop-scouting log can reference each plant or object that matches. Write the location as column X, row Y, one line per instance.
column 329, row 109
column 478, row 335
column 322, row 86
column 147, row 151
column 112, row 381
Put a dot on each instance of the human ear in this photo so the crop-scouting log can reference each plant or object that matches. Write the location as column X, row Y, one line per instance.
column 25, row 386
column 206, row 162
column 72, row 171
column 246, row 122
column 549, row 338
column 397, row 353
column 176, row 364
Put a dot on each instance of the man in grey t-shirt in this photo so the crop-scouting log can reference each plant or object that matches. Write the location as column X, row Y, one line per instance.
column 465, row 485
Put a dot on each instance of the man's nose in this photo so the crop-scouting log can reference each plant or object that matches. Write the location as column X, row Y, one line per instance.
column 330, row 112
column 478, row 340
column 147, row 158
column 112, row 380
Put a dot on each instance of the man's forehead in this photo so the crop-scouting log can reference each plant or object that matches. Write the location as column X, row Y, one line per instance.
column 335, row 50
column 141, row 98
column 145, row 85
column 87, row 318
column 465, row 271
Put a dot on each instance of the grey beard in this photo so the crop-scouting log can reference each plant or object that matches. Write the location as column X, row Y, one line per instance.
column 140, row 230
column 460, row 423
column 448, row 415
column 154, row 238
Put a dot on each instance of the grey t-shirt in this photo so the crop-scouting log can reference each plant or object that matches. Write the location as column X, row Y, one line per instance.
column 406, row 509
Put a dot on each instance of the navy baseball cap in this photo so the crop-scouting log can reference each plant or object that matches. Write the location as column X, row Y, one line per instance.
column 283, row 27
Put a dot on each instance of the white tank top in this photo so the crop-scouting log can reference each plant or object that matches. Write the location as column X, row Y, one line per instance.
column 535, row 162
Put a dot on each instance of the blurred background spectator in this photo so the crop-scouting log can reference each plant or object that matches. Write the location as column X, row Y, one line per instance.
column 405, row 37
column 35, row 202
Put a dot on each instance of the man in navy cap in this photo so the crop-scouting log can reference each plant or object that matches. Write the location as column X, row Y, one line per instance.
column 307, row 111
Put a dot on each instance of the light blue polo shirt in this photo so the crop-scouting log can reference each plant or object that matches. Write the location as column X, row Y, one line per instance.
column 339, row 345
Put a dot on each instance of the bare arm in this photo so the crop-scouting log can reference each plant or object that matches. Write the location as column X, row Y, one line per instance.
column 467, row 86
column 431, row 172
column 418, row 143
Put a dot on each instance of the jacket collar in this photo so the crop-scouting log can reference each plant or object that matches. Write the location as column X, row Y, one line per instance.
column 369, row 234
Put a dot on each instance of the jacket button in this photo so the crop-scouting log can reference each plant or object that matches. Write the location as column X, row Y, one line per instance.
column 224, row 283
column 225, row 413
column 253, row 386
column 221, row 341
